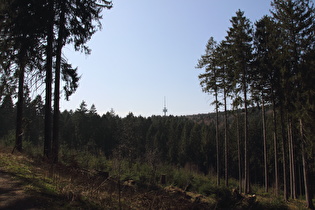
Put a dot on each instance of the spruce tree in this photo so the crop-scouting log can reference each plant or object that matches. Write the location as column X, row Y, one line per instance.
column 266, row 79
column 76, row 23
column 225, row 83
column 239, row 41
column 209, row 84
column 21, row 33
column 295, row 19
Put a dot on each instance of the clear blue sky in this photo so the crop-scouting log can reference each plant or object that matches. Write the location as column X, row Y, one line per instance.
column 149, row 49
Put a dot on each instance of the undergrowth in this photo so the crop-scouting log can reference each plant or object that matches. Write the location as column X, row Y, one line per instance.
column 145, row 174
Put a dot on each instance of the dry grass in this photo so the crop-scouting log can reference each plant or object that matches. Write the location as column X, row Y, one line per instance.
column 74, row 187
column 69, row 186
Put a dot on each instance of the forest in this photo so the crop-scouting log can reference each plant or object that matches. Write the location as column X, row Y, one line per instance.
column 264, row 71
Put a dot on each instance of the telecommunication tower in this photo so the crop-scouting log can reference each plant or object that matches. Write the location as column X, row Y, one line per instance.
column 164, row 109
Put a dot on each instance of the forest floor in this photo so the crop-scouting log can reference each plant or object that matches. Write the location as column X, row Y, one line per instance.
column 28, row 183
column 32, row 183
column 14, row 195
column 23, row 185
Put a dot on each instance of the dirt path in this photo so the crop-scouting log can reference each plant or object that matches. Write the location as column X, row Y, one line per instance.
column 9, row 190
column 12, row 195
column 23, row 185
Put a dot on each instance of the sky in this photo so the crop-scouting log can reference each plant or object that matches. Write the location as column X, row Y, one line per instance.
column 147, row 51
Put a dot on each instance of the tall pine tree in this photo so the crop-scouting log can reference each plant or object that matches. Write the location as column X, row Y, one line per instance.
column 239, row 41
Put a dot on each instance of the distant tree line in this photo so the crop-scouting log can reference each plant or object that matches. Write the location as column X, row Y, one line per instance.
column 268, row 63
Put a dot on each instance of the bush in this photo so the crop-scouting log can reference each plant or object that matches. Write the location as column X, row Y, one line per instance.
column 181, row 180
column 32, row 150
column 9, row 139
column 224, row 197
column 276, row 203
column 206, row 189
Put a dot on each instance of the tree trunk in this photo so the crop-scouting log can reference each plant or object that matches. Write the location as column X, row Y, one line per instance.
column 265, row 144
column 217, row 137
column 246, row 157
column 275, row 142
column 293, row 164
column 20, row 104
column 239, row 153
column 226, row 142
column 308, row 198
column 283, row 136
column 291, row 158
column 55, row 140
column 301, row 188
column 48, row 81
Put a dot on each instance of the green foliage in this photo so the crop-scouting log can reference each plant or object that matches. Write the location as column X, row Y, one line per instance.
column 269, row 64
column 180, row 179
column 7, row 113
column 275, row 203
column 8, row 139
column 84, row 159
column 33, row 150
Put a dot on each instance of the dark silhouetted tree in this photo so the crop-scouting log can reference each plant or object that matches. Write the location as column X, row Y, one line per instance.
column 239, row 41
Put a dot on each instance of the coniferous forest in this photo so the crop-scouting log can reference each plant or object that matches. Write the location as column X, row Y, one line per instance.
column 261, row 77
